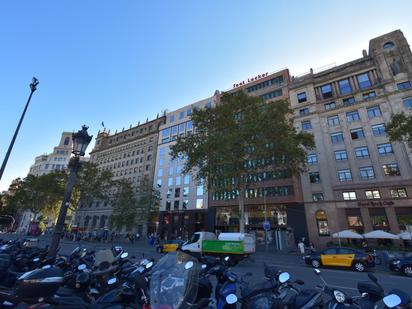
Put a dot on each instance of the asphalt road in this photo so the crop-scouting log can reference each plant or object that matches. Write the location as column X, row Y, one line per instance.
column 346, row 280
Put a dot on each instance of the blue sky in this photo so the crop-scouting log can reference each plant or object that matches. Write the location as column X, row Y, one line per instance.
column 123, row 61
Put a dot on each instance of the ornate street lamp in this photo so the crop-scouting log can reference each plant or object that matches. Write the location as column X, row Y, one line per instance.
column 33, row 88
column 81, row 140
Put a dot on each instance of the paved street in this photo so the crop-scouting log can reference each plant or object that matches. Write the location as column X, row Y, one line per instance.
column 292, row 263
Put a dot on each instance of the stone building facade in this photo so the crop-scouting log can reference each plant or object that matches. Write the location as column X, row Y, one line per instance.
column 130, row 155
column 356, row 179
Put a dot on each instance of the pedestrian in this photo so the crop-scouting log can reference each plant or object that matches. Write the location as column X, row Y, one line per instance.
column 312, row 247
column 301, row 247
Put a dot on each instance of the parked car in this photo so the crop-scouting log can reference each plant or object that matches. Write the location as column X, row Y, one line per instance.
column 402, row 264
column 169, row 246
column 340, row 257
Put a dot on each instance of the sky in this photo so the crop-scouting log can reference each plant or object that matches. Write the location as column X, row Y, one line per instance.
column 123, row 61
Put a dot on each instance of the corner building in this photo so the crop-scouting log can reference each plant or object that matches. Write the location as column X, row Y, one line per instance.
column 283, row 201
column 356, row 179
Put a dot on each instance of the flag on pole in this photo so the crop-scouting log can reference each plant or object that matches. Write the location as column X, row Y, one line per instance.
column 102, row 124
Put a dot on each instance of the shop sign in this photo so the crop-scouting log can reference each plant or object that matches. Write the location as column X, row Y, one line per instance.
column 376, row 203
column 250, row 79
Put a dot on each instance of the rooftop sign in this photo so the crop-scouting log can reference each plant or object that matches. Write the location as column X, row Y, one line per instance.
column 251, row 79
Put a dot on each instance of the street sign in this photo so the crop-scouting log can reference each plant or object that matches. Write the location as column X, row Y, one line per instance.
column 266, row 226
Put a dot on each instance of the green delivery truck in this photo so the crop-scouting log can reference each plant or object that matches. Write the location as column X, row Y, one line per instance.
column 224, row 244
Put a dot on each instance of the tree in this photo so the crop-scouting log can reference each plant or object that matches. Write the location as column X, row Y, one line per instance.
column 400, row 128
column 237, row 140
column 124, row 206
column 147, row 203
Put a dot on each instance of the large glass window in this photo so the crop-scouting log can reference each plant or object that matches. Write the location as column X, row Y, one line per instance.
column 366, row 173
column 186, row 179
column 354, row 219
column 344, row 86
column 333, row 121
column 384, row 149
column 379, row 129
column 326, row 91
column 185, row 204
column 341, row 155
column 349, row 195
column 170, row 181
column 304, row 112
column 316, row 197
column 344, row 175
column 199, row 190
column 182, row 115
column 374, row 111
column 329, row 106
column 176, row 205
column 362, row 152
column 177, row 192
column 349, row 101
column 166, row 135
column 185, row 191
column 189, row 126
column 404, row 215
column 189, row 112
column 181, row 129
column 178, row 181
column 336, row 137
column 171, row 170
column 404, row 85
column 312, row 159
column 314, row 177
column 407, row 102
column 301, row 97
column 378, row 219
column 369, row 95
column 399, row 193
column 391, row 169
column 306, row 125
column 372, row 194
column 199, row 203
column 172, row 118
column 357, row 133
column 352, row 116
column 363, row 81
column 322, row 223
column 160, row 172
column 168, row 205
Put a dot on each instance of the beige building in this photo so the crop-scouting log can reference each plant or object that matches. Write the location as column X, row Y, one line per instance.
column 130, row 155
column 356, row 178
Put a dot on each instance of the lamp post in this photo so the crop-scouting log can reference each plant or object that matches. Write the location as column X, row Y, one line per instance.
column 33, row 87
column 81, row 140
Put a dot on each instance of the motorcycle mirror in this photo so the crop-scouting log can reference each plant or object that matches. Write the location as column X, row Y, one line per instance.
column 204, row 266
column 392, row 300
column 124, row 255
column 226, row 258
column 81, row 267
column 316, row 271
column 372, row 277
column 189, row 265
column 35, row 260
column 284, row 277
column 46, row 266
column 111, row 281
column 231, row 299
column 148, row 265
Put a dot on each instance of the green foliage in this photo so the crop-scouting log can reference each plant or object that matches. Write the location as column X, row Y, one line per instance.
column 147, row 202
column 400, row 128
column 238, row 138
column 124, row 205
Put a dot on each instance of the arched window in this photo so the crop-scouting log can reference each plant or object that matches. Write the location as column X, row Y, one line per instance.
column 86, row 221
column 67, row 141
column 388, row 45
column 322, row 223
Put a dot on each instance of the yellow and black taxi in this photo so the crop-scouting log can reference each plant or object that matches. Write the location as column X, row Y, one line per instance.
column 169, row 246
column 340, row 257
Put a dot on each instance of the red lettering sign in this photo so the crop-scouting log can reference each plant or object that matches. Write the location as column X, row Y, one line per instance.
column 251, row 79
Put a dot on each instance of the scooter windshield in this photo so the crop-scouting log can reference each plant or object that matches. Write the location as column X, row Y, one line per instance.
column 174, row 281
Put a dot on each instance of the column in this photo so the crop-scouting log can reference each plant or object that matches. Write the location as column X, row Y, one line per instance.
column 392, row 220
column 366, row 219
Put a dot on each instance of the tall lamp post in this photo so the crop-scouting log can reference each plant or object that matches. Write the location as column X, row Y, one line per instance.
column 33, row 87
column 81, row 140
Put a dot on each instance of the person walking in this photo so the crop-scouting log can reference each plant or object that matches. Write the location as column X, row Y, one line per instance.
column 301, row 247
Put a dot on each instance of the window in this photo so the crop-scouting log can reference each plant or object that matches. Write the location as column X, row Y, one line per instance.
column 165, row 135
column 314, row 177
column 378, row 219
column 374, row 111
column 344, row 175
column 341, row 155
column 160, row 173
column 326, row 91
column 159, row 182
column 329, row 106
column 176, row 205
column 177, row 192
column 189, row 112
column 66, row 141
column 168, row 205
column 322, row 223
column 170, row 170
column 312, row 159
column 407, row 102
column 363, row 80
column 199, row 190
column 388, row 45
column 302, row 97
column 185, row 191
column 316, row 197
column 391, row 169
column 272, row 94
column 186, row 179
column 354, row 219
column 181, row 129
column 352, row 116
column 369, row 95
column 399, row 192
column 349, row 195
column 384, row 149
column 172, row 118
column 366, row 173
column 304, row 112
column 357, row 133
column 330, row 251
column 344, row 86
column 178, row 181
column 349, row 101
column 199, row 203
column 404, row 85
column 378, row 129
column 170, row 181
column 306, row 125
column 372, row 194
column 182, row 115
column 336, row 137
column 362, row 152
column 208, row 105
column 333, row 121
